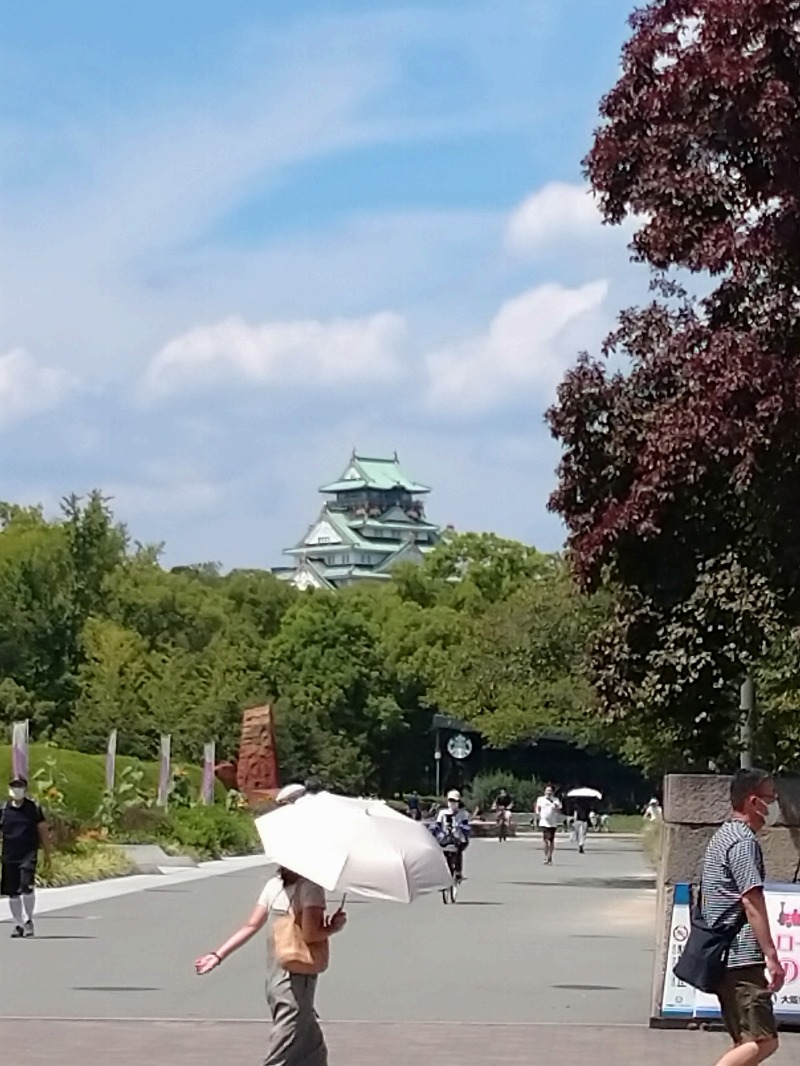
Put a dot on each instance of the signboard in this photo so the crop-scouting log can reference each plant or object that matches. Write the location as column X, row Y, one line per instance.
column 783, row 907
column 459, row 746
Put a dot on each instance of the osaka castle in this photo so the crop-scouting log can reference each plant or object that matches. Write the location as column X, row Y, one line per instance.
column 374, row 518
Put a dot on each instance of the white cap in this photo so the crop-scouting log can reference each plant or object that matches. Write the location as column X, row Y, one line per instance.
column 290, row 793
column 454, row 794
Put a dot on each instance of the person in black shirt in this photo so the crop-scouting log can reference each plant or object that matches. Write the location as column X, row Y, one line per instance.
column 503, row 805
column 581, row 811
column 24, row 830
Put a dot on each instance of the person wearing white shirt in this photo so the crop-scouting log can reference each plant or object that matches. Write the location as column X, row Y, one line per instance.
column 295, row 1037
column 453, row 828
column 548, row 814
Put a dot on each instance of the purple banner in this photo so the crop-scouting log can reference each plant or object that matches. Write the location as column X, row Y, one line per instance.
column 165, row 775
column 19, row 749
column 209, row 762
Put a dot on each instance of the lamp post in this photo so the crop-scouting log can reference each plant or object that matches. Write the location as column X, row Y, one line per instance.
column 437, row 754
column 747, row 705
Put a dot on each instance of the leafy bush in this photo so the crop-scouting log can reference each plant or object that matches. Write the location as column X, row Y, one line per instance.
column 83, row 861
column 48, row 784
column 65, row 829
column 210, row 832
column 484, row 789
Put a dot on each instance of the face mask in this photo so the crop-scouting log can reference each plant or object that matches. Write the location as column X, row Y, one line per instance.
column 17, row 794
column 452, row 805
column 773, row 814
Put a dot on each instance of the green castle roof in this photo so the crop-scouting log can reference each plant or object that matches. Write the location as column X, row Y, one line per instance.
column 363, row 472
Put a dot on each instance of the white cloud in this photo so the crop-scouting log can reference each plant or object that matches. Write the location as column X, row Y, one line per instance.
column 553, row 213
column 340, row 351
column 527, row 347
column 28, row 388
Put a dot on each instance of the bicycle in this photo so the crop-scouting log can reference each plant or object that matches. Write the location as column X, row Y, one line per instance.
column 451, row 854
column 503, row 823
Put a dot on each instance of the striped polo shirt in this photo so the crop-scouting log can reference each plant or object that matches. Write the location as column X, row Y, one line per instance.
column 733, row 865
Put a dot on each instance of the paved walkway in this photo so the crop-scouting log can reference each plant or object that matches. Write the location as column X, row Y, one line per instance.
column 535, row 964
column 126, row 1043
column 526, row 943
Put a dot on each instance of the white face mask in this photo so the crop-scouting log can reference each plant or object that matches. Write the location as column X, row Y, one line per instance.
column 773, row 815
column 17, row 794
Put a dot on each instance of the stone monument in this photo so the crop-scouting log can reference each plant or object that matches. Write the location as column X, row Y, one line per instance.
column 255, row 772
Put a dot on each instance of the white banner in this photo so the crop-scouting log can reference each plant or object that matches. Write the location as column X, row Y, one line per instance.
column 783, row 907
column 19, row 750
column 165, row 771
column 111, row 761
column 209, row 763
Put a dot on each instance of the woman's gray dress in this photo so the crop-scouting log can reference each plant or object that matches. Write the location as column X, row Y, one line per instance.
column 296, row 1038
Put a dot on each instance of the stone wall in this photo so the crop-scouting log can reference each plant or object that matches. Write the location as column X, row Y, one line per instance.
column 695, row 805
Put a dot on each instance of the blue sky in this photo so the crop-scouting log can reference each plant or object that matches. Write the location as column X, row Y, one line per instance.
column 240, row 239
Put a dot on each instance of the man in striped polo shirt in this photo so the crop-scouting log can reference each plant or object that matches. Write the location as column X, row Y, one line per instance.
column 733, row 888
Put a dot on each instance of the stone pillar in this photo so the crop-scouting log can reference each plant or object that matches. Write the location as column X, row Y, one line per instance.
column 695, row 805
column 257, row 767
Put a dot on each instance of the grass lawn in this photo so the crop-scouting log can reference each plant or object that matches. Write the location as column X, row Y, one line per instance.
column 85, row 775
column 626, row 823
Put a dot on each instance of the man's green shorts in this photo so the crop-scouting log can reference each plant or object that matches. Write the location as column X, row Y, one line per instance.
column 747, row 1005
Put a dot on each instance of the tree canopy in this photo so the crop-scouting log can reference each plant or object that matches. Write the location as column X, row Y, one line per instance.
column 680, row 476
column 96, row 635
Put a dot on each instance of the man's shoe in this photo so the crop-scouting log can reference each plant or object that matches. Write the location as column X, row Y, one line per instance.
column 17, row 933
column 28, row 931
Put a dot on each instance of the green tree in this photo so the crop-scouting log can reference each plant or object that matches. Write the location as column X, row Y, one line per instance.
column 470, row 570
column 522, row 667
column 336, row 710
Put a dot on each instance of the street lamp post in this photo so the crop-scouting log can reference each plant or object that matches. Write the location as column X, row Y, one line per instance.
column 437, row 754
column 748, row 707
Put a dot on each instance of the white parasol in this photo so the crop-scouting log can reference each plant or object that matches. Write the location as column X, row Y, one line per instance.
column 353, row 845
column 585, row 793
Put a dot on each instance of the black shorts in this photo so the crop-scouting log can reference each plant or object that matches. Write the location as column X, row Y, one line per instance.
column 18, row 877
column 549, row 833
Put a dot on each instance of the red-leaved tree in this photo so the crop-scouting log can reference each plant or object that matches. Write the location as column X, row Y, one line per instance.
column 680, row 477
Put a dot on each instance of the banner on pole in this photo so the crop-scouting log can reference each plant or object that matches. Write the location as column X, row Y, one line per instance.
column 165, row 771
column 19, row 749
column 209, row 762
column 111, row 761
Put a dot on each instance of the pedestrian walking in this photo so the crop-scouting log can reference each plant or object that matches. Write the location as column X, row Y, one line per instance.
column 298, row 930
column 24, row 830
column 732, row 903
column 548, row 815
column 653, row 812
column 580, row 822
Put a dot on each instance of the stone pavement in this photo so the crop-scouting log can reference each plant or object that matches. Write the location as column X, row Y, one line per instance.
column 164, row 1043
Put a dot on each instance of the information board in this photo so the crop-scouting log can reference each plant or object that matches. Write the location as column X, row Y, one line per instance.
column 783, row 906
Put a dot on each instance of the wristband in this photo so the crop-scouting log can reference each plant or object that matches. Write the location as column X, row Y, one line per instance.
column 216, row 956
